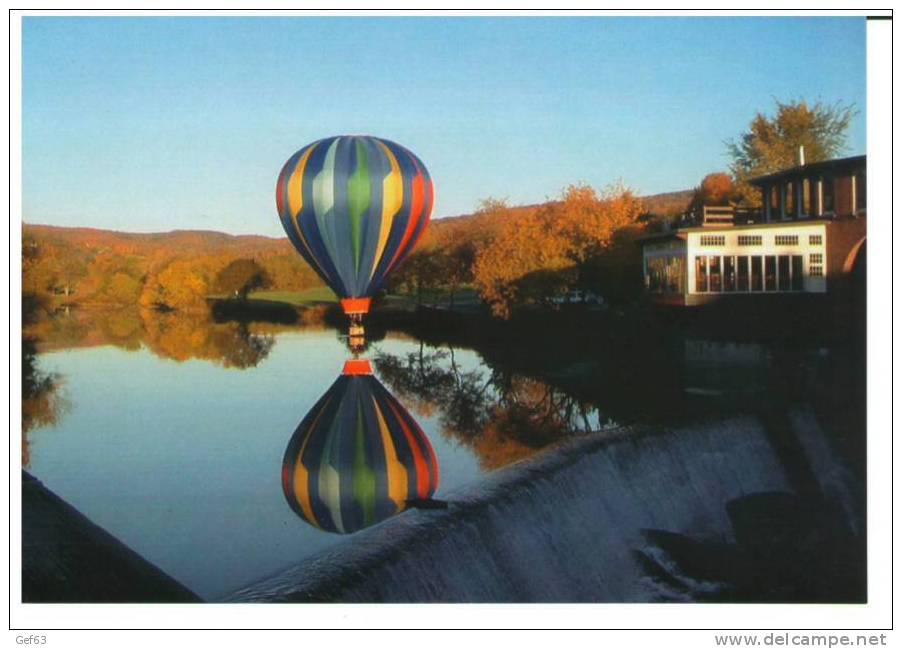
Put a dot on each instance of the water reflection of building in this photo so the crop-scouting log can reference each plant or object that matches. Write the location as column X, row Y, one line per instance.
column 358, row 457
column 809, row 232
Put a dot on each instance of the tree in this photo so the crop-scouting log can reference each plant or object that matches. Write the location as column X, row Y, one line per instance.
column 772, row 143
column 522, row 246
column 241, row 277
column 715, row 189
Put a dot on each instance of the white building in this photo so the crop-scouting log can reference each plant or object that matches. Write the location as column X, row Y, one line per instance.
column 812, row 227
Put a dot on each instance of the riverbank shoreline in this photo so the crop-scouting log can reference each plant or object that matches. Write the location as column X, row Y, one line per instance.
column 66, row 558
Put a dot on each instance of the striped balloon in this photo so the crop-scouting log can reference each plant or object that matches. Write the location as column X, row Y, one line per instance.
column 354, row 207
column 357, row 458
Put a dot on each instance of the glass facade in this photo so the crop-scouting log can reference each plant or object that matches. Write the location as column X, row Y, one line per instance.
column 729, row 274
column 770, row 273
column 742, row 273
column 757, row 284
column 783, row 273
column 701, row 274
column 666, row 274
column 714, row 277
column 750, row 273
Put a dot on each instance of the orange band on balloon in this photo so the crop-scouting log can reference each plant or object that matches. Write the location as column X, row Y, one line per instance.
column 357, row 367
column 353, row 305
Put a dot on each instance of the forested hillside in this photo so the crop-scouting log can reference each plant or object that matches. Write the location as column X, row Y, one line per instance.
column 556, row 244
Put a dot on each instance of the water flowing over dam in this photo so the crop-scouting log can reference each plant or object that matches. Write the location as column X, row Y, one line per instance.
column 704, row 512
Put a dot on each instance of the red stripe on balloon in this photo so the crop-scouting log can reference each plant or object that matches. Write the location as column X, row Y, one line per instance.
column 416, row 210
column 430, row 196
column 287, row 487
column 422, row 469
column 280, row 190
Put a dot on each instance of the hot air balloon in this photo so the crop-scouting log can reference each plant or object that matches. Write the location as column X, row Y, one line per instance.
column 354, row 207
column 358, row 457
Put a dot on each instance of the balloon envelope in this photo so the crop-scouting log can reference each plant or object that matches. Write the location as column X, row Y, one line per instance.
column 357, row 458
column 354, row 207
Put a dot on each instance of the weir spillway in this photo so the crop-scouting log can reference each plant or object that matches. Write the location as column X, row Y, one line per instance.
column 708, row 511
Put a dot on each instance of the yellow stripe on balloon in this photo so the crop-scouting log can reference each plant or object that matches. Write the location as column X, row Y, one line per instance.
column 296, row 195
column 392, row 198
column 301, row 487
column 395, row 471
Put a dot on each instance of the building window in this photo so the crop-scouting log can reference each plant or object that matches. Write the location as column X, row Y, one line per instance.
column 861, row 191
column 783, row 272
column 712, row 240
column 714, row 276
column 774, row 192
column 807, row 197
column 816, row 264
column 701, row 274
column 729, row 274
column 756, row 274
column 828, row 195
column 742, row 273
column 749, row 239
column 815, row 240
column 797, row 273
column 786, row 240
column 664, row 274
column 770, row 273
column 790, row 193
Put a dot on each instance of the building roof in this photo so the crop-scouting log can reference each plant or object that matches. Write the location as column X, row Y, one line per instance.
column 680, row 233
column 836, row 164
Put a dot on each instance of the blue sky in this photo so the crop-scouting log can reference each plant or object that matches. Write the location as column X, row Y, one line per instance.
column 154, row 124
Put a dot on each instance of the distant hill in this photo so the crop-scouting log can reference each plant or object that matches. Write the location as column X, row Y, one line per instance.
column 213, row 242
column 668, row 203
column 147, row 244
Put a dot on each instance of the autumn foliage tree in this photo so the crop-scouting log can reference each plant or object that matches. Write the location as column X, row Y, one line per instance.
column 715, row 189
column 240, row 277
column 534, row 257
column 772, row 143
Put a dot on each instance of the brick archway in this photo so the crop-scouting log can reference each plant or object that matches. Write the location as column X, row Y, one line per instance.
column 857, row 252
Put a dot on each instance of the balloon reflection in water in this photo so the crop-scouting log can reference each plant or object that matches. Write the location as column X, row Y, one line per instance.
column 358, row 457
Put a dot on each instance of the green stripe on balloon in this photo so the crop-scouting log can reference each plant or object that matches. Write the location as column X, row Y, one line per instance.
column 358, row 199
column 364, row 476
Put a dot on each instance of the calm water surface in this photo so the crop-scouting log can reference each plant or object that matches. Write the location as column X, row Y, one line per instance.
column 170, row 433
column 181, row 460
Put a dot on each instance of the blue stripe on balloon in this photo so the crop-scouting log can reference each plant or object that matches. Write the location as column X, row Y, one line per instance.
column 379, row 168
column 339, row 221
column 308, row 221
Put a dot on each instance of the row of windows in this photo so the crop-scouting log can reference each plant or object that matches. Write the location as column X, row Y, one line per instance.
column 757, row 240
column 806, row 195
column 716, row 274
column 786, row 240
column 712, row 240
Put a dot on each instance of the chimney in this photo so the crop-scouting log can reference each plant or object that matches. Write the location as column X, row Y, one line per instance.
column 801, row 155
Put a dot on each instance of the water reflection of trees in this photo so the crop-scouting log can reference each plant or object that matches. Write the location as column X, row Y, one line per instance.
column 168, row 335
column 42, row 403
column 230, row 344
column 500, row 415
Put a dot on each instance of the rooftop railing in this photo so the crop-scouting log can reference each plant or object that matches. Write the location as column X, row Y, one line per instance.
column 727, row 215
